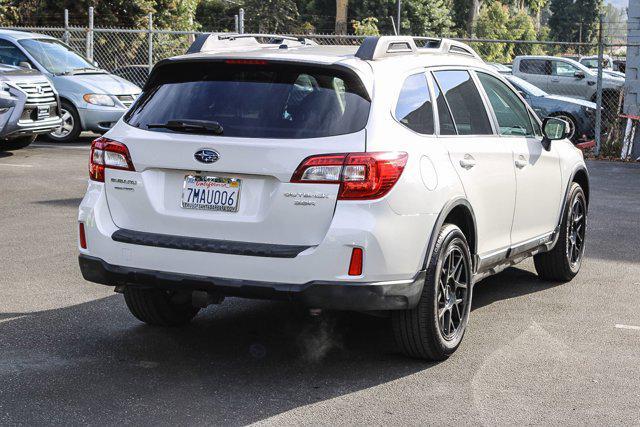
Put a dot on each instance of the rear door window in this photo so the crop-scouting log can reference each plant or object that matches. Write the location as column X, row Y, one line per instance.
column 535, row 66
column 414, row 108
column 256, row 100
column 464, row 101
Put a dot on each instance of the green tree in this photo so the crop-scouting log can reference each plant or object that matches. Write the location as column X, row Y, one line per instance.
column 216, row 15
column 495, row 21
column 366, row 27
column 271, row 16
column 574, row 19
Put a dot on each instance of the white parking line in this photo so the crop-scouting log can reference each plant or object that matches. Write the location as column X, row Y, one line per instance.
column 61, row 147
column 16, row 165
column 632, row 327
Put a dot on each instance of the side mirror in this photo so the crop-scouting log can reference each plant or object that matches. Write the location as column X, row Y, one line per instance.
column 95, row 64
column 24, row 64
column 579, row 75
column 523, row 94
column 553, row 129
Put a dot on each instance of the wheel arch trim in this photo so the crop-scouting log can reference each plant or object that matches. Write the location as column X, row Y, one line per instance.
column 442, row 216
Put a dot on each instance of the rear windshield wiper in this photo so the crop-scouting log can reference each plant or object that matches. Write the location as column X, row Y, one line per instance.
column 196, row 126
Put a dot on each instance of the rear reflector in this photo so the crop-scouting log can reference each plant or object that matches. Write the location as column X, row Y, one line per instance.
column 83, row 238
column 355, row 265
column 108, row 154
column 362, row 176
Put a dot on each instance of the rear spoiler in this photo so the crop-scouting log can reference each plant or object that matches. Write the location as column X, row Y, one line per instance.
column 226, row 42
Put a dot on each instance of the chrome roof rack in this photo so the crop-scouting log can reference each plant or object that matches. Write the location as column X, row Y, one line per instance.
column 373, row 48
column 212, row 42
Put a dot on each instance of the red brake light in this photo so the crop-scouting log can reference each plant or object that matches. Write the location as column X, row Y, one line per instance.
column 362, row 176
column 246, row 61
column 106, row 153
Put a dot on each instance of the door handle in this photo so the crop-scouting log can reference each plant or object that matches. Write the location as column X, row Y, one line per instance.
column 521, row 162
column 468, row 162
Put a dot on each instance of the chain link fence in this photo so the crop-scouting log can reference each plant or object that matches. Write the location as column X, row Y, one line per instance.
column 575, row 95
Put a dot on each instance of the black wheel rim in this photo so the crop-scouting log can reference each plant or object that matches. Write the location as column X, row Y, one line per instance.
column 576, row 228
column 453, row 289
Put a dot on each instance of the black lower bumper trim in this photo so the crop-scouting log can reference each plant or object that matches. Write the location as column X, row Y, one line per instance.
column 396, row 295
column 206, row 245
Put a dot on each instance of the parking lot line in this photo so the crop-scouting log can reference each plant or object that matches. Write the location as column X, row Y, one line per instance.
column 16, row 165
column 632, row 327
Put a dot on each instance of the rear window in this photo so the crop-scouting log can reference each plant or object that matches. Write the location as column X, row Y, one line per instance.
column 535, row 66
column 256, row 100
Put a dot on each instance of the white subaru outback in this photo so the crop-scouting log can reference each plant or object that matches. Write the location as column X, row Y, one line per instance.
column 389, row 177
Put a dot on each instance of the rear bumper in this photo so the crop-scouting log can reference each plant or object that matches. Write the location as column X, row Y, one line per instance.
column 364, row 296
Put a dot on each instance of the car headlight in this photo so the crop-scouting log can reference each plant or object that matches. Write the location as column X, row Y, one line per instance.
column 99, row 99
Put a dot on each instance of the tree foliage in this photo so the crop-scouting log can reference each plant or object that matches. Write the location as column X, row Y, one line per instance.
column 574, row 19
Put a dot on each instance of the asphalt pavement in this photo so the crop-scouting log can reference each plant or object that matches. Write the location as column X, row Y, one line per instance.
column 534, row 352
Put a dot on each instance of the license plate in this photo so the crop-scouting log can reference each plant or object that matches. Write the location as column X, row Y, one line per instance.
column 211, row 193
column 43, row 111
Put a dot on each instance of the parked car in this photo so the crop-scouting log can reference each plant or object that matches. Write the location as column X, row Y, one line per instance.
column 136, row 74
column 580, row 114
column 28, row 106
column 591, row 62
column 562, row 76
column 91, row 99
column 380, row 178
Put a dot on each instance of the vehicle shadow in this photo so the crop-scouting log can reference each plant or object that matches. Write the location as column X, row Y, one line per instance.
column 5, row 153
column 238, row 363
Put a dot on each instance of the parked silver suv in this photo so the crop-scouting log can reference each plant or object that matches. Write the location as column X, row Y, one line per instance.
column 91, row 99
column 564, row 76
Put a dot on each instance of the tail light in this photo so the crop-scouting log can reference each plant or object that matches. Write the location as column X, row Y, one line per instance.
column 362, row 176
column 106, row 153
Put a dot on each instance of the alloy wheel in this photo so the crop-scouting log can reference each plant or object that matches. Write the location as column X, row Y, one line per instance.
column 576, row 231
column 67, row 125
column 453, row 290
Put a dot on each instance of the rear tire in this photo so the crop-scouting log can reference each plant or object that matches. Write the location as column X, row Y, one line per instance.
column 18, row 143
column 433, row 330
column 159, row 307
column 562, row 263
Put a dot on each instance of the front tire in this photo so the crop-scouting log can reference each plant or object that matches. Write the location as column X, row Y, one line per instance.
column 433, row 330
column 18, row 143
column 160, row 307
column 70, row 128
column 562, row 263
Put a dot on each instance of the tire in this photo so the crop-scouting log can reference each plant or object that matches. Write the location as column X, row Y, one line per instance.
column 71, row 127
column 562, row 263
column 573, row 136
column 421, row 332
column 18, row 143
column 159, row 307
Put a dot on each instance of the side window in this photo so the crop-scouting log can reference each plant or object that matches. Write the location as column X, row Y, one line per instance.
column 511, row 113
column 414, row 108
column 537, row 130
column 564, row 69
column 444, row 115
column 535, row 66
column 461, row 93
column 10, row 54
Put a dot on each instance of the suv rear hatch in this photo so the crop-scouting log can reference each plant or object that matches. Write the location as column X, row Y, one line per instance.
column 215, row 144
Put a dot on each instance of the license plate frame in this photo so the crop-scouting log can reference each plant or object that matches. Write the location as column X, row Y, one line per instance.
column 222, row 184
column 44, row 112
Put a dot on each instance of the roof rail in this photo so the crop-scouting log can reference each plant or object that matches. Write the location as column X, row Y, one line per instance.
column 373, row 48
column 211, row 42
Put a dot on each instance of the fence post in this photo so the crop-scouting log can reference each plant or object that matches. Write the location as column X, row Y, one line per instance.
column 237, row 23
column 89, row 40
column 66, row 36
column 150, row 41
column 241, row 19
column 399, row 17
column 599, row 89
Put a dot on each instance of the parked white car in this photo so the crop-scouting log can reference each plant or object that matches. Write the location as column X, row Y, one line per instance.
column 380, row 178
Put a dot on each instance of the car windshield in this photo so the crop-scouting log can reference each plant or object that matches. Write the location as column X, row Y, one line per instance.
column 54, row 56
column 525, row 86
column 253, row 100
